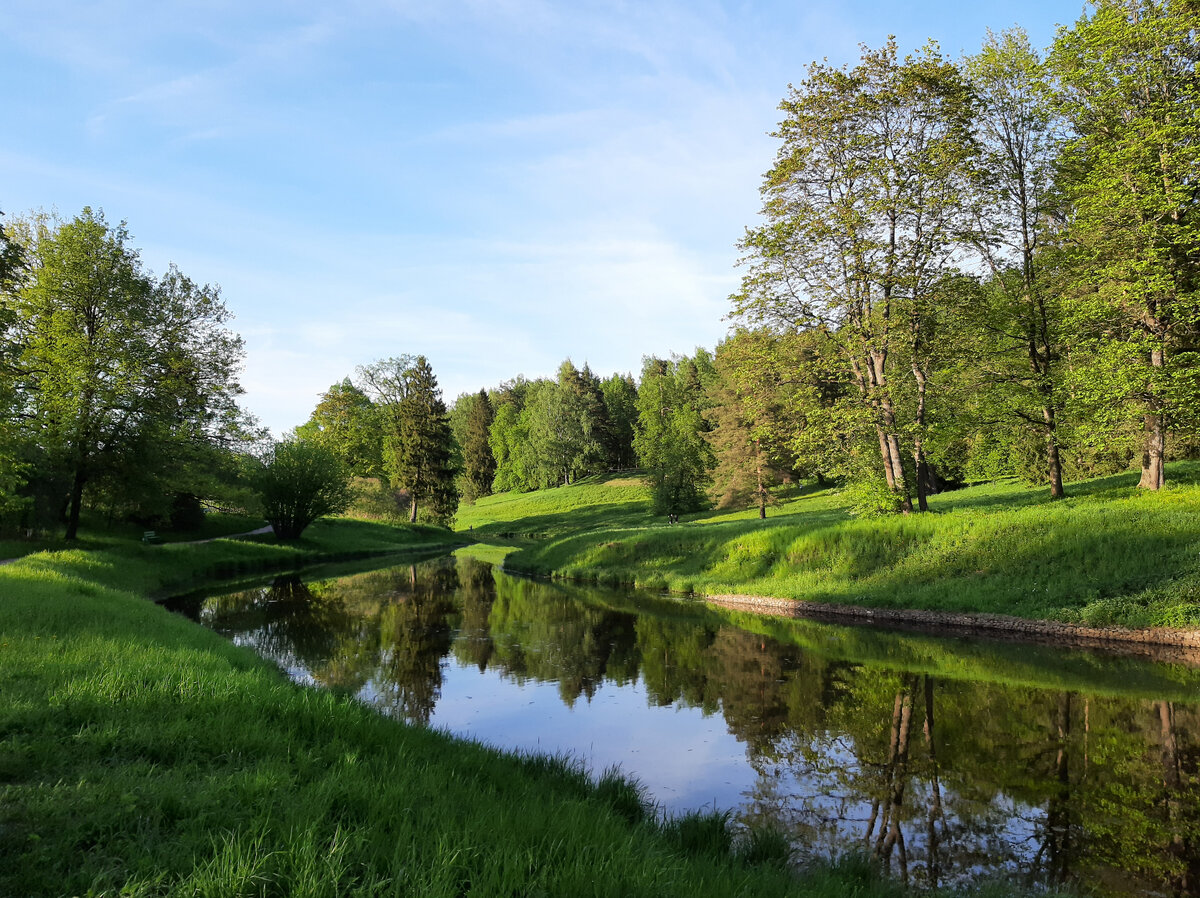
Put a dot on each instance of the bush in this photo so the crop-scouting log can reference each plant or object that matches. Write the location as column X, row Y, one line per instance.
column 298, row 483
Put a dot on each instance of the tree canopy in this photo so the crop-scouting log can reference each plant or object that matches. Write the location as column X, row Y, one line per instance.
column 116, row 379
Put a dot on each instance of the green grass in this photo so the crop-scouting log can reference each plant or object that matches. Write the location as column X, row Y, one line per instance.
column 96, row 534
column 142, row 755
column 156, row 569
column 1110, row 554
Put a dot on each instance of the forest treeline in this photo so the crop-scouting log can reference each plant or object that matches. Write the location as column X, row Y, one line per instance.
column 964, row 269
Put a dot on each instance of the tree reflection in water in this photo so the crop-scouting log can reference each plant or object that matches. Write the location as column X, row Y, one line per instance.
column 945, row 767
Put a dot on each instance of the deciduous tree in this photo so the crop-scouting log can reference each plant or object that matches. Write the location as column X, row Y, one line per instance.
column 1015, row 209
column 114, row 367
column 670, row 441
column 1128, row 86
column 867, row 192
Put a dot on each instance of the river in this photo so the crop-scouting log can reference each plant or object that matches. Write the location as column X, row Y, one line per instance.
column 948, row 759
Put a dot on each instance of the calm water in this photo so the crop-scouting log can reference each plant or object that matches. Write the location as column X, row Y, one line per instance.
column 947, row 759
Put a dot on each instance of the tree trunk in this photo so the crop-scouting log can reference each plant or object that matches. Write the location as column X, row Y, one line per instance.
column 885, row 426
column 1154, row 446
column 1053, row 460
column 76, row 504
column 885, row 456
column 412, row 509
column 762, row 493
column 896, row 459
column 922, row 476
column 936, row 813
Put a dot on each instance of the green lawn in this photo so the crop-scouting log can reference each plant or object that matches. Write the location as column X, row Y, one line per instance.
column 142, row 755
column 1108, row 554
column 97, row 534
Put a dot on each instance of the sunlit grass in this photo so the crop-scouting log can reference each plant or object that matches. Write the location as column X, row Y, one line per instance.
column 1110, row 554
column 143, row 755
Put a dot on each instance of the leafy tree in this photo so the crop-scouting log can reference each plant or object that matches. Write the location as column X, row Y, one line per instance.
column 12, row 258
column 418, row 445
column 298, row 482
column 670, row 441
column 867, row 192
column 346, row 422
column 13, row 469
column 620, row 409
column 508, row 437
column 117, row 374
column 1129, row 91
column 565, row 420
column 1020, row 138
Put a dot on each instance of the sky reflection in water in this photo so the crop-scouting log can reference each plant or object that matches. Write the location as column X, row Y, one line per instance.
column 947, row 759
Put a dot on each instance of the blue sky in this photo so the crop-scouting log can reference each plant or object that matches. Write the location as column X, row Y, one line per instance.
column 496, row 185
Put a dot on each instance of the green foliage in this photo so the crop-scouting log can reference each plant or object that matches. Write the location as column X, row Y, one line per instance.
column 123, row 384
column 418, row 444
column 670, row 441
column 620, row 409
column 1127, row 86
column 869, row 190
column 478, row 463
column 549, row 432
column 347, row 423
column 299, row 482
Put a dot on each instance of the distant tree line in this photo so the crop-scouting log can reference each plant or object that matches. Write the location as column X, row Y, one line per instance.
column 963, row 270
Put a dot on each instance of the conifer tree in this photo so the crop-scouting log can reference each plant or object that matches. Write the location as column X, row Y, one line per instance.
column 479, row 465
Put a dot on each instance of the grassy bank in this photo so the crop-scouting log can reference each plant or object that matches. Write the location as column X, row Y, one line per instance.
column 97, row 534
column 155, row 569
column 143, row 755
column 1110, row 554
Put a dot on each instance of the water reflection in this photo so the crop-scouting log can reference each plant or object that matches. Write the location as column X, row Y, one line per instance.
column 950, row 761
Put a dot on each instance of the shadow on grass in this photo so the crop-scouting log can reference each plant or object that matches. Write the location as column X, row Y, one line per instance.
column 571, row 520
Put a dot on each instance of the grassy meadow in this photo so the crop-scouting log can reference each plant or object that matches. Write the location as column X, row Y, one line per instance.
column 1108, row 554
column 142, row 755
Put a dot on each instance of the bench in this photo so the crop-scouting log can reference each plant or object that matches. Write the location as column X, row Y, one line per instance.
column 149, row 537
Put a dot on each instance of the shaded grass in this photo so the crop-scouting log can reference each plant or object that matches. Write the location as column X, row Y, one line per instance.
column 95, row 534
column 162, row 568
column 143, row 755
column 1110, row 554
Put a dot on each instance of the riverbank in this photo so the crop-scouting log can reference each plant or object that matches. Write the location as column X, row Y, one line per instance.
column 143, row 755
column 1108, row 556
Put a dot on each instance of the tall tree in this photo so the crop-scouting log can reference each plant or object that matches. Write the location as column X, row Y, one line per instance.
column 509, row 435
column 418, row 443
column 861, row 207
column 479, row 465
column 115, row 367
column 12, row 467
column 670, row 441
column 347, row 423
column 1020, row 140
column 620, row 408
column 1128, row 86
column 566, row 425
